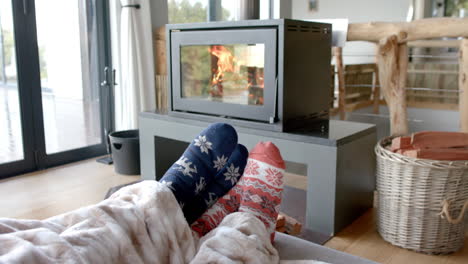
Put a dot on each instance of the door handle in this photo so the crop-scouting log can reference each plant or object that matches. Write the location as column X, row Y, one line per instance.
column 113, row 77
column 106, row 77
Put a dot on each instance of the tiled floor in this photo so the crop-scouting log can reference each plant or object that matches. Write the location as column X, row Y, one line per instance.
column 68, row 124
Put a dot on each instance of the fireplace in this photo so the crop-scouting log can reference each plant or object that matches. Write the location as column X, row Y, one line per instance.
column 267, row 74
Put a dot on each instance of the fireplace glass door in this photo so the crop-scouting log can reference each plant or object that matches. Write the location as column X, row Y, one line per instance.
column 229, row 73
column 224, row 73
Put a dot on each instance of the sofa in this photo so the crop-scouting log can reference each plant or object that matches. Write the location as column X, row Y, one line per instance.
column 293, row 248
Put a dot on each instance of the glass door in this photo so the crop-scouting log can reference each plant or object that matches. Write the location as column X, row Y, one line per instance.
column 70, row 100
column 15, row 118
column 63, row 96
column 71, row 60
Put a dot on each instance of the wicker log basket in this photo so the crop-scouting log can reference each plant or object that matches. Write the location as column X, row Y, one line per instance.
column 421, row 203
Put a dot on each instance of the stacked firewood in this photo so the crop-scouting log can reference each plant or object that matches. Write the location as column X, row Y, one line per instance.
column 288, row 225
column 433, row 145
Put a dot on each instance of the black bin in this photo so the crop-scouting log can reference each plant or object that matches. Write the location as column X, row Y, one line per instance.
column 125, row 146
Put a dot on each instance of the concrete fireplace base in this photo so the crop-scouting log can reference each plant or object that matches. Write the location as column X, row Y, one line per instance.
column 340, row 164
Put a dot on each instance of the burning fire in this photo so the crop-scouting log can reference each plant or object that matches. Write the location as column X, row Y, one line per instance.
column 225, row 64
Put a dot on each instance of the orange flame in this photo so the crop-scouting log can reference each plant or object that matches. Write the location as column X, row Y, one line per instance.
column 225, row 62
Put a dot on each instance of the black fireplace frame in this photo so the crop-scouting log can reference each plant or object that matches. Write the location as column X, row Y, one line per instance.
column 301, row 88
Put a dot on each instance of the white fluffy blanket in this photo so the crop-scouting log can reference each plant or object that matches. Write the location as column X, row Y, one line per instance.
column 141, row 223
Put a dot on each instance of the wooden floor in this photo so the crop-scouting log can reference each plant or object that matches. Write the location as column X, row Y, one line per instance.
column 47, row 193
column 42, row 194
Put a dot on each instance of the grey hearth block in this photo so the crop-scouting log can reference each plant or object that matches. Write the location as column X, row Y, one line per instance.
column 340, row 164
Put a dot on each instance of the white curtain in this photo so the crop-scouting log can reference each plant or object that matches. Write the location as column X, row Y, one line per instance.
column 133, row 61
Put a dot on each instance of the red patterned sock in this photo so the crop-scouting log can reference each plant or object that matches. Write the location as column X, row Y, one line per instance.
column 263, row 184
column 258, row 191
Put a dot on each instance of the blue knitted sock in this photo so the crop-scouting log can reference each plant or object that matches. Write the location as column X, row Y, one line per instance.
column 197, row 167
column 229, row 172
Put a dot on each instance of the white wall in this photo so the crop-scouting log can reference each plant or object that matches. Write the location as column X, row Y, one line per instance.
column 356, row 11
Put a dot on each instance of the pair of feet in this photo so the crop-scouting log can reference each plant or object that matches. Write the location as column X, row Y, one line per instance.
column 216, row 176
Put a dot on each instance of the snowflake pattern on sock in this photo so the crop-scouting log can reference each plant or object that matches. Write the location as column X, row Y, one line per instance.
column 220, row 162
column 274, row 176
column 224, row 181
column 232, row 174
column 185, row 166
column 252, row 168
column 203, row 143
column 200, row 186
column 211, row 199
column 194, row 170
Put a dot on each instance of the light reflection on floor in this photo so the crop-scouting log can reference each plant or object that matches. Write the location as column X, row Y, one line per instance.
column 69, row 124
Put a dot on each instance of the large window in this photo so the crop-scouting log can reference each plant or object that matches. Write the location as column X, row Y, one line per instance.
column 456, row 8
column 192, row 11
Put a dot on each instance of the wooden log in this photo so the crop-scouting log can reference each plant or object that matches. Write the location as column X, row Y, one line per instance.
column 401, row 114
column 161, row 92
column 403, row 151
column 438, row 139
column 463, row 85
column 338, row 51
column 400, row 143
column 280, row 221
column 293, row 227
column 438, row 154
column 408, row 31
column 160, row 59
column 281, row 229
column 392, row 62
